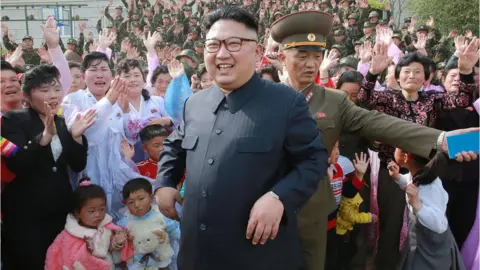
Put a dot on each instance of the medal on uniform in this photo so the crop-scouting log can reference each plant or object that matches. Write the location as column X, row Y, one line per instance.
column 308, row 95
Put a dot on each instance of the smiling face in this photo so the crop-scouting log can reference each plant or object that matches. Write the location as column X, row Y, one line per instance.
column 231, row 70
column 134, row 80
column 161, row 83
column 412, row 77
column 11, row 93
column 50, row 93
column 98, row 78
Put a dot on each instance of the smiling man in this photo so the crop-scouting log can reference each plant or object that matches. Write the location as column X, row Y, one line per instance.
column 302, row 38
column 252, row 154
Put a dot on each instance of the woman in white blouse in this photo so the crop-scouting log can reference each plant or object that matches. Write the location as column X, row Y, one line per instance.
column 429, row 244
column 139, row 108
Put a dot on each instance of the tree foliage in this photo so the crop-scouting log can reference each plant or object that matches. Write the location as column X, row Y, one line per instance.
column 449, row 14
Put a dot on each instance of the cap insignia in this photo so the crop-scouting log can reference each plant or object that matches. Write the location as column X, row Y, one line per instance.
column 311, row 37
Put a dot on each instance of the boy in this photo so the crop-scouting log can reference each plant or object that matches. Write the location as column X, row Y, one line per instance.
column 152, row 138
column 141, row 217
column 345, row 187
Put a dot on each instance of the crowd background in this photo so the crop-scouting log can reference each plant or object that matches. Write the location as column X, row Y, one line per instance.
column 153, row 35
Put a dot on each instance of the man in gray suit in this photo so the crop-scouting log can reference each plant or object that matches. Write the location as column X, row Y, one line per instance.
column 253, row 158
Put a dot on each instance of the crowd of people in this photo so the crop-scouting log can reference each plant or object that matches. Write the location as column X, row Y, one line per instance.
column 181, row 140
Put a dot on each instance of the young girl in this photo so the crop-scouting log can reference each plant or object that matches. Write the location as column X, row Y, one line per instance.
column 429, row 244
column 89, row 235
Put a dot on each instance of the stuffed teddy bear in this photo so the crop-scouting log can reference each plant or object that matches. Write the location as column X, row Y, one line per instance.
column 152, row 249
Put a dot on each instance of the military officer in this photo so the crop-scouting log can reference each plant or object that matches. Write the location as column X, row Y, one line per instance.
column 118, row 16
column 74, row 51
column 302, row 38
column 373, row 17
column 30, row 56
column 368, row 31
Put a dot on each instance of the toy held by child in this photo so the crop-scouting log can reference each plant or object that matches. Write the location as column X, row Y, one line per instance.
column 430, row 243
column 89, row 235
column 154, row 238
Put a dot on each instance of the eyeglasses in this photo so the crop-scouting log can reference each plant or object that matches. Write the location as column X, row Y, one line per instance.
column 232, row 44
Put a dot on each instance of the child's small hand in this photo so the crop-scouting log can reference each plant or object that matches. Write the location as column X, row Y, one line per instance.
column 90, row 244
column 393, row 170
column 330, row 172
column 121, row 237
column 361, row 164
column 412, row 195
column 374, row 218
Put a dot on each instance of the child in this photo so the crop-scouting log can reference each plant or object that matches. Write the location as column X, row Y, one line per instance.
column 348, row 200
column 89, row 235
column 429, row 244
column 142, row 219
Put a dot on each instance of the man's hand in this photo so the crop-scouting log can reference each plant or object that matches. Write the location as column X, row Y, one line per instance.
column 166, row 198
column 463, row 156
column 265, row 218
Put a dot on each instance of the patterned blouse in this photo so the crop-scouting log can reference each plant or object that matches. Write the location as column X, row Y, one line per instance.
column 422, row 111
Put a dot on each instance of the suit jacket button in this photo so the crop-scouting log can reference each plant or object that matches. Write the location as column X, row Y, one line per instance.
column 210, row 161
column 54, row 169
column 218, row 131
column 29, row 142
column 204, row 193
column 203, row 227
column 225, row 105
column 25, row 147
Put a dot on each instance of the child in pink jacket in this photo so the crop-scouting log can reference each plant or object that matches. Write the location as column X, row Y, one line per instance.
column 89, row 235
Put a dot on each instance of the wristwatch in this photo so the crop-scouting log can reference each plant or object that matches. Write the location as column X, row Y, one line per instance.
column 274, row 195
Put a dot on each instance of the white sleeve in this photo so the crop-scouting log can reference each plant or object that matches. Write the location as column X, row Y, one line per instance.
column 403, row 181
column 434, row 200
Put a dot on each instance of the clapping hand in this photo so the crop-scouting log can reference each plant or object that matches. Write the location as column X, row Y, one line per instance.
column 176, row 69
column 468, row 59
column 265, row 218
column 393, row 170
column 82, row 123
column 50, row 33
column 361, row 164
column 117, row 88
column 49, row 122
column 380, row 60
column 127, row 150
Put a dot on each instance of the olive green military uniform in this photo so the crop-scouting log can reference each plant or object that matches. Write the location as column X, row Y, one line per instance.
column 118, row 19
column 198, row 55
column 370, row 38
column 76, row 55
column 190, row 54
column 30, row 57
column 334, row 115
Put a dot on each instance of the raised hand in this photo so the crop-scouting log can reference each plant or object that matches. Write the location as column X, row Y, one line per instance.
column 469, row 34
column 44, row 55
column 126, row 45
column 16, row 58
column 151, row 41
column 366, row 52
column 133, row 53
column 469, row 57
column 430, row 22
column 82, row 123
column 176, row 69
column 385, row 35
column 50, row 33
column 330, row 59
column 106, row 39
column 82, row 27
column 195, row 82
column 117, row 88
column 452, row 33
column 461, row 44
column 361, row 164
column 421, row 42
column 93, row 46
column 127, row 150
column 265, row 218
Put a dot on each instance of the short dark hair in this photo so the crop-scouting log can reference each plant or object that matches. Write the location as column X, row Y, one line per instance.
column 453, row 64
column 93, row 59
column 152, row 131
column 38, row 76
column 350, row 76
column 136, row 184
column 84, row 193
column 72, row 64
column 162, row 69
column 4, row 65
column 233, row 13
column 335, row 69
column 270, row 70
column 413, row 58
column 126, row 65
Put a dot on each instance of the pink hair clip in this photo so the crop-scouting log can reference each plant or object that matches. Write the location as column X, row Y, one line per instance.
column 85, row 183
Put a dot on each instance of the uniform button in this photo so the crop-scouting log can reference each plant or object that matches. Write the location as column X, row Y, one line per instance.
column 204, row 193
column 210, row 161
column 54, row 169
column 203, row 227
column 25, row 147
column 225, row 105
column 29, row 142
column 218, row 131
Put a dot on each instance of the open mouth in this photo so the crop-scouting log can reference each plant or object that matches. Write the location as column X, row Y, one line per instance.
column 53, row 104
column 11, row 92
column 224, row 67
column 100, row 84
